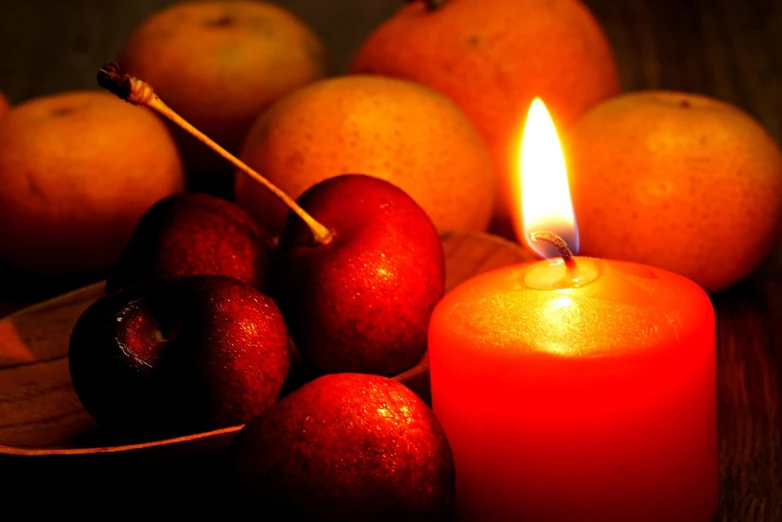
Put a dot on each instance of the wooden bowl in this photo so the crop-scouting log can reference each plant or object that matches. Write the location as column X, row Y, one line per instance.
column 45, row 432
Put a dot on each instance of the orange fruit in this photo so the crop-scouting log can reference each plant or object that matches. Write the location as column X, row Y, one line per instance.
column 219, row 65
column 391, row 129
column 679, row 181
column 77, row 171
column 492, row 57
column 5, row 105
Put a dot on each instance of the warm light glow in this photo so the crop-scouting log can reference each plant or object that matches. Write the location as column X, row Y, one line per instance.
column 545, row 194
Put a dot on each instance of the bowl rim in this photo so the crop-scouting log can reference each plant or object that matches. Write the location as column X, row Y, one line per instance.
column 51, row 451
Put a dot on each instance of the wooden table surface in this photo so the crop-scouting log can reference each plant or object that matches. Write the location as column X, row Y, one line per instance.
column 730, row 49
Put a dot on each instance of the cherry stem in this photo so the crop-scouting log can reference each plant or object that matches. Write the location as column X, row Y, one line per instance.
column 138, row 92
column 559, row 244
column 431, row 5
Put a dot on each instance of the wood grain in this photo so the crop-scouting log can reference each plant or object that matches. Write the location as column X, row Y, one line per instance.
column 730, row 49
column 749, row 360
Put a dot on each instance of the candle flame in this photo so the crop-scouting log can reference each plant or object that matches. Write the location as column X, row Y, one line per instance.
column 544, row 191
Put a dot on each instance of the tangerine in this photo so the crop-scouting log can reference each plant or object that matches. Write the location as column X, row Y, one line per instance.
column 5, row 105
column 77, row 171
column 680, row 181
column 492, row 57
column 219, row 65
column 391, row 129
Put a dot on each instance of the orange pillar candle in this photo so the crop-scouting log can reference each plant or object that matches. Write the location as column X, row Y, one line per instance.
column 581, row 390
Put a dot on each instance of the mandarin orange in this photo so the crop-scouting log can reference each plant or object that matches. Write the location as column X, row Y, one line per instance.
column 77, row 171
column 680, row 181
column 5, row 104
column 219, row 65
column 492, row 57
column 391, row 129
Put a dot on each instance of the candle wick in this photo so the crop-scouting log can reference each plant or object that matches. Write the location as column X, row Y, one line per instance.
column 559, row 243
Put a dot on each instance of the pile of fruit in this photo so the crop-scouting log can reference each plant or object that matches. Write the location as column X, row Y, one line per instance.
column 210, row 278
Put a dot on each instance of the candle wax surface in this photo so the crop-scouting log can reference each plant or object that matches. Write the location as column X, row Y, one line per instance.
column 584, row 395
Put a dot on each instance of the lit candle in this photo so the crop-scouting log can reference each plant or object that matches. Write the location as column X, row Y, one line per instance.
column 576, row 391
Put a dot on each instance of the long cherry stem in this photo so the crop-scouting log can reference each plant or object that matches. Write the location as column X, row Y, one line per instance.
column 138, row 92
